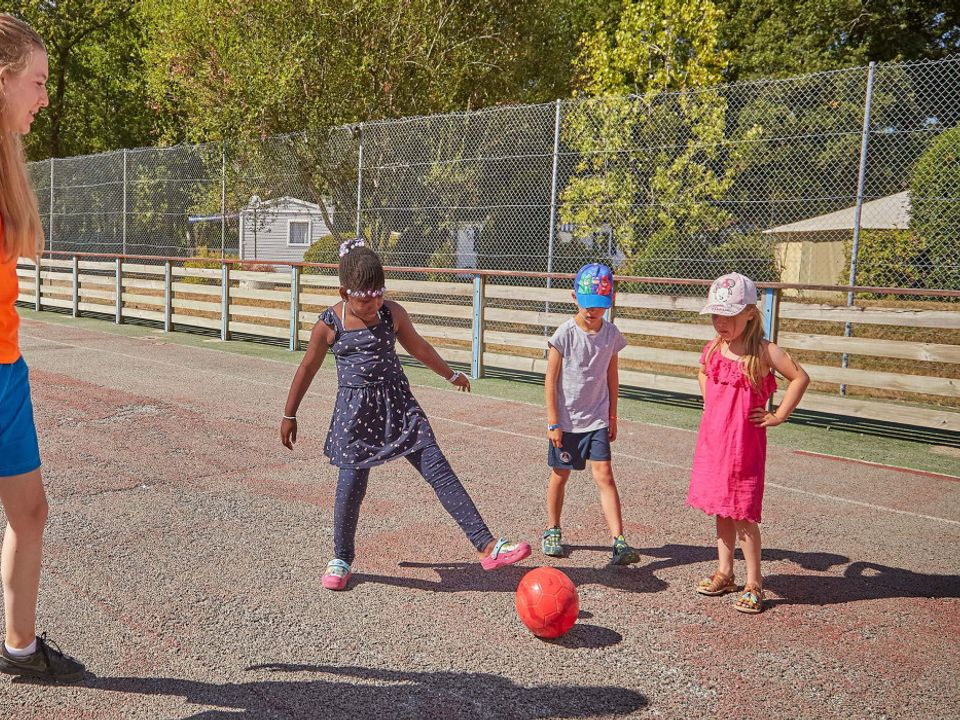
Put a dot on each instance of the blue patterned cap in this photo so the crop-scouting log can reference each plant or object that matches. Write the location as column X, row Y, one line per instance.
column 594, row 286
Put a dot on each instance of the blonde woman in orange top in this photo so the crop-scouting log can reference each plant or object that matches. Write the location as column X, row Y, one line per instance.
column 23, row 77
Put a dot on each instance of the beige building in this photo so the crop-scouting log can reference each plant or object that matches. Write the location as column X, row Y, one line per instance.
column 814, row 251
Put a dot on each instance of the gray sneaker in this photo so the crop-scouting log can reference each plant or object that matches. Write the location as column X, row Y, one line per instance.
column 47, row 662
column 623, row 554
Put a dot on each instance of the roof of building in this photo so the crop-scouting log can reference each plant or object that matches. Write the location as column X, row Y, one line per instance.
column 887, row 213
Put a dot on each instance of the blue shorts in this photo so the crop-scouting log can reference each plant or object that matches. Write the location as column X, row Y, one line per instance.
column 576, row 448
column 19, row 450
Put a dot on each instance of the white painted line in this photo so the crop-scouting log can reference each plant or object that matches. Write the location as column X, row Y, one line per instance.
column 862, row 504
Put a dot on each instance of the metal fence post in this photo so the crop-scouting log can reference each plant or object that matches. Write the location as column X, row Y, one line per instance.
column 858, row 210
column 359, row 178
column 50, row 233
column 76, row 287
column 771, row 313
column 476, row 359
column 167, row 296
column 553, row 202
column 224, row 301
column 294, row 308
column 223, row 200
column 118, row 308
column 37, row 280
column 124, row 213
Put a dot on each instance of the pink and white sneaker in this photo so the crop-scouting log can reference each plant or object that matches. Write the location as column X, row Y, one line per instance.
column 336, row 575
column 505, row 553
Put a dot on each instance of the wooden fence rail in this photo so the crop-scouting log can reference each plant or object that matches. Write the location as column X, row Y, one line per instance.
column 470, row 317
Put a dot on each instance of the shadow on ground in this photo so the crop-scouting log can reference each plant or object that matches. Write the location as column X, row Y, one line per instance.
column 860, row 580
column 369, row 692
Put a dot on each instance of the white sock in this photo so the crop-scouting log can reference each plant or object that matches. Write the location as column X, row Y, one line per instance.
column 22, row 652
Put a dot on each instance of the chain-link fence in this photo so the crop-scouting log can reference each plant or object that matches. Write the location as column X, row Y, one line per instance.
column 788, row 180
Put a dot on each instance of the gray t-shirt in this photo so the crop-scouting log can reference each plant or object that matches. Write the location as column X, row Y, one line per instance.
column 583, row 398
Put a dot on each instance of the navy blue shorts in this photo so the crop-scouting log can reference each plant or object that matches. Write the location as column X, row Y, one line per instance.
column 576, row 448
column 19, row 450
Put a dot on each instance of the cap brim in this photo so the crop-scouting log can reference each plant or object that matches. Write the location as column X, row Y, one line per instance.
column 725, row 310
column 594, row 301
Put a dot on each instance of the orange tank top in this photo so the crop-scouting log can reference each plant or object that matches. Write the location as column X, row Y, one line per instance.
column 9, row 320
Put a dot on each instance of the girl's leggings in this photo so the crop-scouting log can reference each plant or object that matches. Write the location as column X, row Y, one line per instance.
column 429, row 462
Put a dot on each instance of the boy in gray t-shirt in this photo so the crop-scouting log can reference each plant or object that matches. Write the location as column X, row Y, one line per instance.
column 581, row 393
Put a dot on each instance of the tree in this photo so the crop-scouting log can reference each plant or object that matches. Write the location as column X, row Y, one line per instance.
column 935, row 211
column 244, row 71
column 779, row 38
column 97, row 97
column 225, row 68
column 651, row 163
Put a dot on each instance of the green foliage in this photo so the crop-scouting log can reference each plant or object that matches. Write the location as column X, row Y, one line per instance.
column 889, row 258
column 653, row 46
column 571, row 256
column 935, row 210
column 780, row 38
column 752, row 255
column 652, row 165
column 96, row 88
column 325, row 249
column 246, row 68
column 443, row 257
column 202, row 251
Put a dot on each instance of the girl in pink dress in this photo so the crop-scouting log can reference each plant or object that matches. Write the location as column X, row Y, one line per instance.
column 736, row 381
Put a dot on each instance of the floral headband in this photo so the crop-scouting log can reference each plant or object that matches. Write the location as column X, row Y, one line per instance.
column 366, row 293
column 350, row 244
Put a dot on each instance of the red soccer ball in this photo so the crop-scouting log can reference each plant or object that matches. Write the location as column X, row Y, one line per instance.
column 547, row 602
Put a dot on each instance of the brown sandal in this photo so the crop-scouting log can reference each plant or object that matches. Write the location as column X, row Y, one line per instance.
column 717, row 584
column 751, row 600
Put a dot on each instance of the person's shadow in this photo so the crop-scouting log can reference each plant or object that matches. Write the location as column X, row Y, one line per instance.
column 454, row 577
column 370, row 692
column 860, row 581
column 676, row 555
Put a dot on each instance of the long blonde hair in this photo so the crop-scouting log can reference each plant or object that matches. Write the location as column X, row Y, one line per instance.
column 22, row 231
column 753, row 361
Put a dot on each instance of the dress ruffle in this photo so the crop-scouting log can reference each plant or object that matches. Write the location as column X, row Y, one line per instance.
column 725, row 371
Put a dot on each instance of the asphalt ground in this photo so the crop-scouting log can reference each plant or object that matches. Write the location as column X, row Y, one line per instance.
column 186, row 546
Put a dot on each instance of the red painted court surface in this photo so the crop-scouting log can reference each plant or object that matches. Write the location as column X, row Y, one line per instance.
column 186, row 546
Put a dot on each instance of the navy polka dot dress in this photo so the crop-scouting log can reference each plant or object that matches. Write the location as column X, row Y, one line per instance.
column 376, row 417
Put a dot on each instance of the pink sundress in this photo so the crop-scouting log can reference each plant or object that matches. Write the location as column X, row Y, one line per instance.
column 731, row 453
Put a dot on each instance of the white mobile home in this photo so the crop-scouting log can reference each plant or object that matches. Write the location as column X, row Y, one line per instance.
column 280, row 229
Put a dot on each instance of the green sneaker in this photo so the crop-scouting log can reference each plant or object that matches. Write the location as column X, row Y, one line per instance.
column 623, row 554
column 550, row 543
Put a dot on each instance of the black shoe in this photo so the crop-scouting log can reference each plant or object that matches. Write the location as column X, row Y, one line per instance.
column 47, row 662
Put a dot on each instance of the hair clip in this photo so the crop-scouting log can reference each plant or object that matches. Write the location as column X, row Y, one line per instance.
column 350, row 244
column 366, row 293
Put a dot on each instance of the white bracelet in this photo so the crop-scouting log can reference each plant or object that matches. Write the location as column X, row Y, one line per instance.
column 453, row 378
column 289, row 417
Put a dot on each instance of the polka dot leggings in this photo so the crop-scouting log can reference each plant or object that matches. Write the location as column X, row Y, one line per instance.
column 433, row 466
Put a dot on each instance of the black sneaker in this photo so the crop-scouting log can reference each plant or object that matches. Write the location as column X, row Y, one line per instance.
column 623, row 554
column 48, row 662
